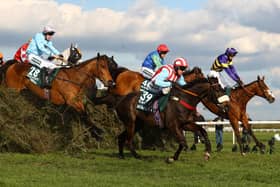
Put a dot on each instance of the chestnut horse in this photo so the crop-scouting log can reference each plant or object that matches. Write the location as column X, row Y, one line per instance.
column 69, row 85
column 239, row 98
column 179, row 112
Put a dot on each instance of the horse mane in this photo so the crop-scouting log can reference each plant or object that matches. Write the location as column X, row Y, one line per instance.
column 196, row 81
column 118, row 71
column 196, row 69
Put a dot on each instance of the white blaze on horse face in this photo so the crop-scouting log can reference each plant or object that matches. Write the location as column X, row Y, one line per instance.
column 224, row 98
column 270, row 93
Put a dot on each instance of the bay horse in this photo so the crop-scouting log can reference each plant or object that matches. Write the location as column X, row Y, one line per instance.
column 176, row 117
column 71, row 56
column 239, row 98
column 69, row 85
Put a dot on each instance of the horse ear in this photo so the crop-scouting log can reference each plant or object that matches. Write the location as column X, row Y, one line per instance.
column 112, row 57
column 263, row 78
column 71, row 45
column 259, row 77
column 98, row 54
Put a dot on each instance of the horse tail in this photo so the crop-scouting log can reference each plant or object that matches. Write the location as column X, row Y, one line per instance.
column 3, row 69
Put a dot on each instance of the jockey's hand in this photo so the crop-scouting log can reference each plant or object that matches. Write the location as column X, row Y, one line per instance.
column 166, row 90
column 61, row 56
column 51, row 58
column 240, row 82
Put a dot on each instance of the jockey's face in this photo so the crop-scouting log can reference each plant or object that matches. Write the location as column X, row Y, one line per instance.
column 162, row 54
column 48, row 36
column 180, row 70
column 230, row 57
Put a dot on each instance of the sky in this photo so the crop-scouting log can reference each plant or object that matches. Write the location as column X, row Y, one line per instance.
column 198, row 30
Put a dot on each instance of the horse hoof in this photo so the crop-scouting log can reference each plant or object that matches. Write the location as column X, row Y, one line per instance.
column 207, row 156
column 121, row 157
column 243, row 154
column 170, row 160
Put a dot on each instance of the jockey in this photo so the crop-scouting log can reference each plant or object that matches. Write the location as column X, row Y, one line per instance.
column 153, row 61
column 21, row 56
column 166, row 74
column 41, row 50
column 224, row 62
column 1, row 59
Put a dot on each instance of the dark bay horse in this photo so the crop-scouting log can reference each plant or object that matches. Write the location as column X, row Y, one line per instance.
column 179, row 112
column 128, row 81
column 239, row 98
column 69, row 85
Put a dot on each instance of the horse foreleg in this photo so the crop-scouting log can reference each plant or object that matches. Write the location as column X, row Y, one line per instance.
column 202, row 132
column 235, row 127
column 93, row 129
column 258, row 143
column 130, row 135
column 182, row 143
column 121, row 141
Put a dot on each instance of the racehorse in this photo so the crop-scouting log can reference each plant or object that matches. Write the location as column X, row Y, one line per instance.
column 239, row 98
column 68, row 86
column 71, row 56
column 178, row 114
column 127, row 81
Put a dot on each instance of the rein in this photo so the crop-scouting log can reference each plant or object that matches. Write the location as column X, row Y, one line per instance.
column 83, row 72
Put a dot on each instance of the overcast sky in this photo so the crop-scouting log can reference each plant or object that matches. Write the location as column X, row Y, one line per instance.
column 198, row 30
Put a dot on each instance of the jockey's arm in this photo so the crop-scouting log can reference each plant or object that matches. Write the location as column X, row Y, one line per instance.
column 157, row 61
column 231, row 71
column 181, row 81
column 161, row 79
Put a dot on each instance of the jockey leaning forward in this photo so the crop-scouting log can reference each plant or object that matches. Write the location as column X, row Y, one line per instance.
column 224, row 62
column 166, row 74
column 154, row 61
column 41, row 51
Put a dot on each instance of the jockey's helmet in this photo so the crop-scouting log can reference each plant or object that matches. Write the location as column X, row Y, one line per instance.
column 180, row 63
column 1, row 55
column 231, row 52
column 162, row 48
column 48, row 30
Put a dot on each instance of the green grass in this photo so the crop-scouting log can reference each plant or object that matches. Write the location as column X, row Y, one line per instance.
column 103, row 168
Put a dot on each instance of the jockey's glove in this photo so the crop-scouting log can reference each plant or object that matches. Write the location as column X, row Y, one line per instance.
column 240, row 82
column 61, row 56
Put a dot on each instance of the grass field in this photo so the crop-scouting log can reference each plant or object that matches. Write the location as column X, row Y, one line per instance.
column 103, row 168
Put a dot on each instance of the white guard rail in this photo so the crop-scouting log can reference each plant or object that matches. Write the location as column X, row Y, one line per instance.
column 212, row 123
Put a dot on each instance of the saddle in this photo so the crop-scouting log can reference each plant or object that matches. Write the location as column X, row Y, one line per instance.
column 42, row 77
column 152, row 102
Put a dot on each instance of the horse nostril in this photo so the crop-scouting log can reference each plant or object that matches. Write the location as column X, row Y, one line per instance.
column 111, row 83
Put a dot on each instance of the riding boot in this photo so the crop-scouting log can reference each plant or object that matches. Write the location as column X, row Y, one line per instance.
column 44, row 78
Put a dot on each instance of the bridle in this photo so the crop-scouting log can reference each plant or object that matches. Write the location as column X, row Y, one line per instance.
column 187, row 105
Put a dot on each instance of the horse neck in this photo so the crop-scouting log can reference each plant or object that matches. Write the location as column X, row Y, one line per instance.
column 244, row 95
column 194, row 93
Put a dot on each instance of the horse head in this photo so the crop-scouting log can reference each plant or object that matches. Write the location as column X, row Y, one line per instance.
column 203, row 87
column 112, row 65
column 264, row 91
column 195, row 73
column 74, row 54
column 102, row 70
